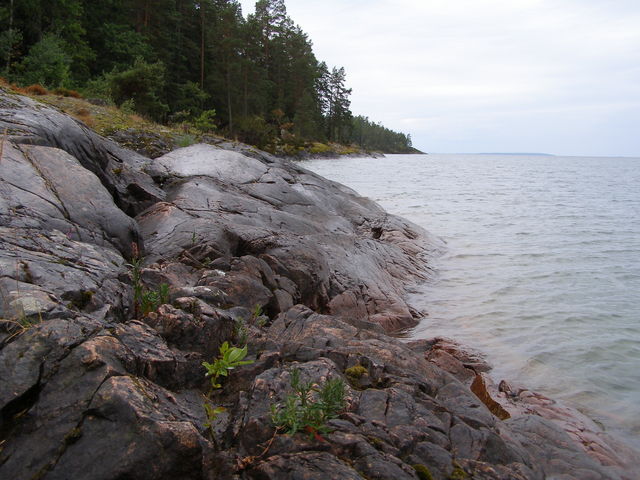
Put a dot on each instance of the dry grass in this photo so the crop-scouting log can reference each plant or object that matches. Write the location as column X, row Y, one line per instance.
column 134, row 117
column 14, row 328
column 36, row 90
column 85, row 117
column 65, row 92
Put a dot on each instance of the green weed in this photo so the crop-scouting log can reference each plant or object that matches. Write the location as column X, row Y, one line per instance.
column 144, row 300
column 185, row 140
column 229, row 358
column 422, row 472
column 310, row 406
column 258, row 317
column 152, row 299
column 240, row 331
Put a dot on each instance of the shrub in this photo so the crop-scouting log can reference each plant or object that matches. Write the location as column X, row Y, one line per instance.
column 143, row 84
column 46, row 63
column 185, row 140
column 99, row 87
column 254, row 130
column 128, row 106
column 317, row 147
column 309, row 406
column 206, row 121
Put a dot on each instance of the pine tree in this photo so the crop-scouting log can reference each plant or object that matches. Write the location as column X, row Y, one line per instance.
column 336, row 103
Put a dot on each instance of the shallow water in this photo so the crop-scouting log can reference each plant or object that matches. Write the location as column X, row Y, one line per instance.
column 542, row 268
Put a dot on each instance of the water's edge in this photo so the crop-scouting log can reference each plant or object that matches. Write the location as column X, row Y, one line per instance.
column 540, row 267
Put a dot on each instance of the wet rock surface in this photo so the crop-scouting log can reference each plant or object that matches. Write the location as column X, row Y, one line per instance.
column 252, row 249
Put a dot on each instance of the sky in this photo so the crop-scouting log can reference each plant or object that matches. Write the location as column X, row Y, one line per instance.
column 485, row 76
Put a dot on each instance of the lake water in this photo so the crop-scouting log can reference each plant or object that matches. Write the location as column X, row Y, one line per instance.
column 541, row 271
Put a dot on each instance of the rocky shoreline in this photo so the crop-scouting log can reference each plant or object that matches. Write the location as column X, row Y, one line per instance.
column 252, row 248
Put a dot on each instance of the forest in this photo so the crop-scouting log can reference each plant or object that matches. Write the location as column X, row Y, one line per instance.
column 253, row 78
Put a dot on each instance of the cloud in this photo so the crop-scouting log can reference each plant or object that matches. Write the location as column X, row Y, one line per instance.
column 463, row 73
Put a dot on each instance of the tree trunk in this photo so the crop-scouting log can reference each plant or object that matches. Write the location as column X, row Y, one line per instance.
column 229, row 99
column 10, row 49
column 146, row 14
column 202, row 42
column 246, row 91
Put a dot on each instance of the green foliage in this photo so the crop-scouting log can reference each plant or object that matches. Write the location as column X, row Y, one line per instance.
column 309, row 406
column 128, row 107
column 317, row 147
column 98, row 87
column 422, row 472
column 255, row 130
column 185, row 140
column 355, row 373
column 142, row 84
column 257, row 312
column 9, row 43
column 240, row 332
column 206, row 121
column 334, row 101
column 458, row 473
column 122, row 46
column 228, row 359
column 307, row 120
column 136, row 282
column 190, row 99
column 46, row 64
column 144, row 301
column 258, row 317
column 152, row 299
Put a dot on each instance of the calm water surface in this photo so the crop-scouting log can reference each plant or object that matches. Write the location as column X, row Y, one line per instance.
column 541, row 271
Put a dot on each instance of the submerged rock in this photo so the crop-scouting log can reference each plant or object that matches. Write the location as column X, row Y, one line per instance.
column 245, row 247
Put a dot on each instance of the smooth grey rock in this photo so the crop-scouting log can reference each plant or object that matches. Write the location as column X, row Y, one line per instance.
column 210, row 161
column 119, row 170
column 47, row 189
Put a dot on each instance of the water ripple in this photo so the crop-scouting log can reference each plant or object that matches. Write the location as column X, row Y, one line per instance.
column 542, row 270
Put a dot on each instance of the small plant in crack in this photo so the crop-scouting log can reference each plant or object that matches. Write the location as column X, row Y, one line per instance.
column 240, row 331
column 310, row 406
column 152, row 299
column 136, row 278
column 144, row 300
column 258, row 317
column 229, row 358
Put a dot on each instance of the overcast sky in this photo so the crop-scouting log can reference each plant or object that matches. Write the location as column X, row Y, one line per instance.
column 549, row 76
